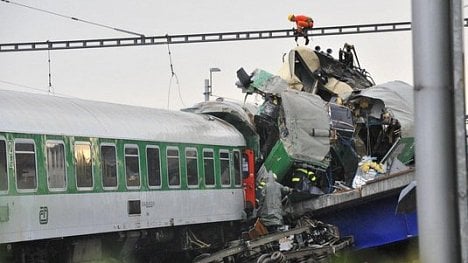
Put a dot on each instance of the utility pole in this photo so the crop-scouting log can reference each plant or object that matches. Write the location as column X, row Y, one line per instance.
column 436, row 43
column 209, row 84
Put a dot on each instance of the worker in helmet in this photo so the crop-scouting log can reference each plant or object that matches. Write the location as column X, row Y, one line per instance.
column 259, row 192
column 305, row 184
column 303, row 24
column 346, row 56
column 271, row 208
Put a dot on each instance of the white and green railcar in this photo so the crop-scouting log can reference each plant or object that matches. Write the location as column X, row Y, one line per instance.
column 74, row 168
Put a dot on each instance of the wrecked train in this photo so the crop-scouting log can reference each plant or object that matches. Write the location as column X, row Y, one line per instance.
column 103, row 180
column 328, row 116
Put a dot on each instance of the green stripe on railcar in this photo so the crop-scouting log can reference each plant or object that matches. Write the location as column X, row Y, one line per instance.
column 44, row 185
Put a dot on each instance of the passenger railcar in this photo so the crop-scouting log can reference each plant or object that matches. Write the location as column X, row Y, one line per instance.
column 77, row 175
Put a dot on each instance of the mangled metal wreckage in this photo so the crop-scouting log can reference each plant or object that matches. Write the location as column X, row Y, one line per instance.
column 325, row 116
column 330, row 118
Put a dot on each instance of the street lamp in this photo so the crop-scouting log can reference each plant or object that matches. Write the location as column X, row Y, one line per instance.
column 209, row 84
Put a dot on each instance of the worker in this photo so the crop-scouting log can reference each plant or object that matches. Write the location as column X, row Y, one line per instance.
column 259, row 192
column 303, row 24
column 271, row 207
column 345, row 55
column 305, row 184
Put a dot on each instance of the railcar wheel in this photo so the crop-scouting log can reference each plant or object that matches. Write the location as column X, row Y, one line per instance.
column 277, row 257
column 264, row 258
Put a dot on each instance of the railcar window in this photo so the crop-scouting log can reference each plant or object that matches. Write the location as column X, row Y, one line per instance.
column 3, row 167
column 237, row 168
column 25, row 157
column 56, row 165
column 154, row 166
column 208, row 164
column 108, row 166
column 225, row 171
column 173, row 167
column 191, row 166
column 132, row 166
column 83, row 165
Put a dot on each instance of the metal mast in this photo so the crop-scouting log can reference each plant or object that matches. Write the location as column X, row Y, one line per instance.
column 436, row 167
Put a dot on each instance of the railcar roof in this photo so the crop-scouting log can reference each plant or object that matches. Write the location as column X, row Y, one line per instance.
column 46, row 114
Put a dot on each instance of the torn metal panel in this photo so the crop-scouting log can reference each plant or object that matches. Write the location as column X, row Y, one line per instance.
column 397, row 98
column 263, row 82
column 305, row 129
column 240, row 116
column 383, row 114
column 278, row 161
column 319, row 73
column 294, row 72
column 341, row 120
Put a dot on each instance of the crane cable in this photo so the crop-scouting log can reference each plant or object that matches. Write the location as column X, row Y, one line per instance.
column 73, row 18
column 173, row 75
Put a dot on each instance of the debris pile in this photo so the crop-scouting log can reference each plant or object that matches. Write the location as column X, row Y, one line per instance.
column 325, row 116
column 328, row 117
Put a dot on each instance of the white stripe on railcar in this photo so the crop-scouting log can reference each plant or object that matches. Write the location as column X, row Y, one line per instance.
column 82, row 214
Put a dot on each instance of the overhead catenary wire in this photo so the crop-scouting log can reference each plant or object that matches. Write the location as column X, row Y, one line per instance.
column 22, row 86
column 35, row 89
column 73, row 18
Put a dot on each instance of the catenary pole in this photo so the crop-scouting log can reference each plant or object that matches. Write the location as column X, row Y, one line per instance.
column 460, row 124
column 437, row 203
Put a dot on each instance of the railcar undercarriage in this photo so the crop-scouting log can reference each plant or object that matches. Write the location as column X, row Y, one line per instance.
column 309, row 241
column 172, row 244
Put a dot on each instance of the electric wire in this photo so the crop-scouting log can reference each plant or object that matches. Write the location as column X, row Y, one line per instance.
column 36, row 89
column 21, row 85
column 73, row 18
column 173, row 75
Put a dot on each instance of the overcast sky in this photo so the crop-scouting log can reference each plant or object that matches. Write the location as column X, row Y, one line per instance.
column 142, row 75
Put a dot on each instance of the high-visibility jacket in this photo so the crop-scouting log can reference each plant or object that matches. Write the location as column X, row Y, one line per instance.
column 303, row 179
column 299, row 173
column 304, row 21
column 259, row 192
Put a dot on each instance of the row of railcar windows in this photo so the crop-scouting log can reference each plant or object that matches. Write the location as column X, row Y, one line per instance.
column 26, row 169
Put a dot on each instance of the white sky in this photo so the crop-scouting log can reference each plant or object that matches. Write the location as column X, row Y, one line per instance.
column 141, row 75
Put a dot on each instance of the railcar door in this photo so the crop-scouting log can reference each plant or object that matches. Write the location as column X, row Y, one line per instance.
column 248, row 176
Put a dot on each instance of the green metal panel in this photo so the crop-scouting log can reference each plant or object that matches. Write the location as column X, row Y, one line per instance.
column 278, row 161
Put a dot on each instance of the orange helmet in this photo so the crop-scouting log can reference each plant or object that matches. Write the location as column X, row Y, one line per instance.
column 290, row 17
